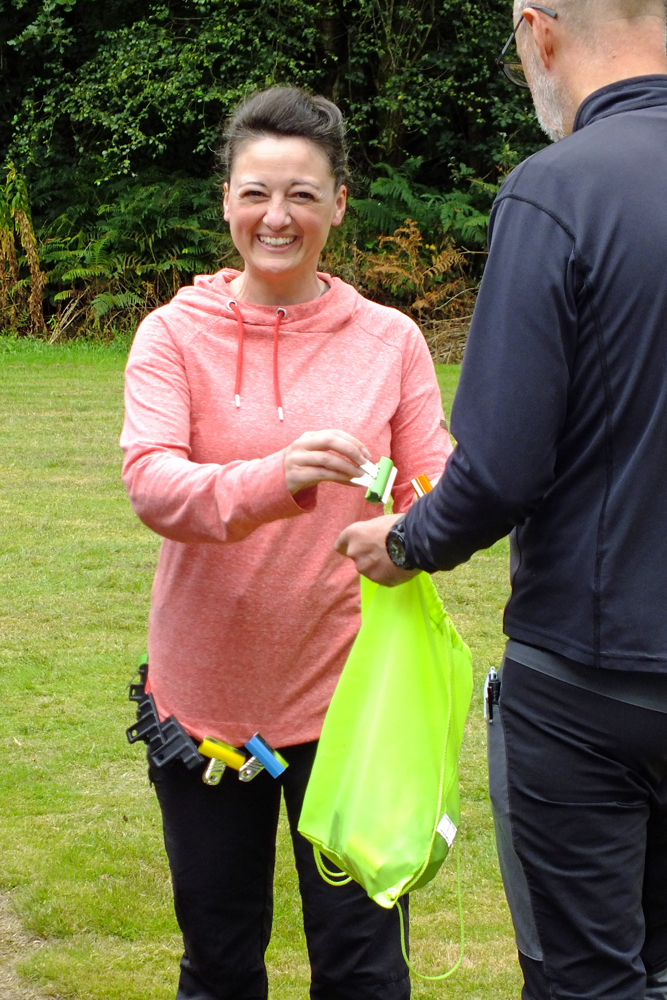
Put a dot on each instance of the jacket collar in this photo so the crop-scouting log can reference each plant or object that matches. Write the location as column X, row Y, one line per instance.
column 624, row 95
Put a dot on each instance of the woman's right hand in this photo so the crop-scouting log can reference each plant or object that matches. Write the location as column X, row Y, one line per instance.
column 323, row 456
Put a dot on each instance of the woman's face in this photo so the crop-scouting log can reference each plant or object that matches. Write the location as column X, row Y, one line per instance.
column 280, row 202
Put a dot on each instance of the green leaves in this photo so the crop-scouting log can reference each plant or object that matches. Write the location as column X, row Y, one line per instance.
column 130, row 253
column 111, row 111
column 461, row 215
column 113, row 89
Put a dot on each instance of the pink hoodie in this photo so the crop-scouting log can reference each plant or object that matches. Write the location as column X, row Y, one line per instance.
column 253, row 613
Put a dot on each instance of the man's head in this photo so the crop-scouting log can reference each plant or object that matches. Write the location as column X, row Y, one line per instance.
column 590, row 44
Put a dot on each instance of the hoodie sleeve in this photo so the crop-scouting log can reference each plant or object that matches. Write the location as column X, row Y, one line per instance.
column 175, row 497
column 419, row 444
column 512, row 397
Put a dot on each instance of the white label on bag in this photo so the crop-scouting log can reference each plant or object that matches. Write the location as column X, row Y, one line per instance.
column 447, row 830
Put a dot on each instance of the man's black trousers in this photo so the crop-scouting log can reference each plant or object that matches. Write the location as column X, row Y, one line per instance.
column 220, row 843
column 579, row 787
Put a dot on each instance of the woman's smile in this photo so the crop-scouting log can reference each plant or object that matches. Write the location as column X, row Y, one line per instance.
column 276, row 241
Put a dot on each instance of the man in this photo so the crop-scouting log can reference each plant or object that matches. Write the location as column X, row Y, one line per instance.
column 561, row 422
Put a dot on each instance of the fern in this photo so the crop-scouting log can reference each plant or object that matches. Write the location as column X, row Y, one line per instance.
column 376, row 217
column 148, row 237
column 419, row 276
column 106, row 301
column 461, row 215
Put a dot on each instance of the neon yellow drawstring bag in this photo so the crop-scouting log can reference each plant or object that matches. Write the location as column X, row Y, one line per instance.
column 382, row 802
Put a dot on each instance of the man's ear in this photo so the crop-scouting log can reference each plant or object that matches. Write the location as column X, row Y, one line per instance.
column 542, row 27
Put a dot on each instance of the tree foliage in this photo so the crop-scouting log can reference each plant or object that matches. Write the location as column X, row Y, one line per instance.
column 111, row 112
column 94, row 91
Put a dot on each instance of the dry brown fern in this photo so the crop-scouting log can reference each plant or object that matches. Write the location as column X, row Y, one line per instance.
column 15, row 224
column 38, row 278
column 424, row 278
column 9, row 275
column 426, row 281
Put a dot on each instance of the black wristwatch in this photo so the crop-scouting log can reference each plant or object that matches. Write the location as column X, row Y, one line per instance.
column 395, row 545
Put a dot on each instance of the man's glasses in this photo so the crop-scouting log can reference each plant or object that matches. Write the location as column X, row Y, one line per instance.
column 512, row 67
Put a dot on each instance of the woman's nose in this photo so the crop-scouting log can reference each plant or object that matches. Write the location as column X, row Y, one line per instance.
column 277, row 213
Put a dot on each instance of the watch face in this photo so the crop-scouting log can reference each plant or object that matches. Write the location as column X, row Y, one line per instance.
column 396, row 549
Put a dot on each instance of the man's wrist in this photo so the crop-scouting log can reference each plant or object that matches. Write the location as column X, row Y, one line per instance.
column 396, row 546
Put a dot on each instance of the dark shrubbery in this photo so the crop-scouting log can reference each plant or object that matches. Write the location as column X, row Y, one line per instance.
column 110, row 116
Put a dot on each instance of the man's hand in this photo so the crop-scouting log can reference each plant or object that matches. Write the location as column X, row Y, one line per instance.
column 365, row 543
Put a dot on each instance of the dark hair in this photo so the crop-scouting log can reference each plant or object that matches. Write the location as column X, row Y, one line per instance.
column 288, row 111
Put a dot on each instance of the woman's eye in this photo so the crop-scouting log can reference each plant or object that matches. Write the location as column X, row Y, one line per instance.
column 303, row 196
column 252, row 194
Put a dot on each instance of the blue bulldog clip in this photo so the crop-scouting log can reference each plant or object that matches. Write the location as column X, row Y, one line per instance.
column 262, row 756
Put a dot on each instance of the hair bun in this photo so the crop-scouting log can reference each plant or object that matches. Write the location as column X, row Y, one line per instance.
column 288, row 111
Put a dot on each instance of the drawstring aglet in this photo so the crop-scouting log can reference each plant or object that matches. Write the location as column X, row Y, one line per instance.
column 280, row 413
column 237, row 400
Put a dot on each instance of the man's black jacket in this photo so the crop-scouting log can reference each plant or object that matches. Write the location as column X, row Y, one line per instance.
column 561, row 411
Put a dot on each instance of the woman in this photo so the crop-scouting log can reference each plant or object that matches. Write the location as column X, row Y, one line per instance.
column 252, row 399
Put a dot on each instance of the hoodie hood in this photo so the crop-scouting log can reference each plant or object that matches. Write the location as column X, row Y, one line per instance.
column 211, row 294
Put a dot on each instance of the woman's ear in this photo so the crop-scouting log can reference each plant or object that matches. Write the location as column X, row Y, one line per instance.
column 225, row 202
column 341, row 205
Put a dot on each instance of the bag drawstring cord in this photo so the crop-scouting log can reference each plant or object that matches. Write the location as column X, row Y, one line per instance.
column 333, row 878
column 280, row 315
column 450, row 972
column 339, row 878
column 444, row 975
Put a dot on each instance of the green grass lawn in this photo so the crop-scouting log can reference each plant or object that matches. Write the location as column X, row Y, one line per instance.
column 80, row 841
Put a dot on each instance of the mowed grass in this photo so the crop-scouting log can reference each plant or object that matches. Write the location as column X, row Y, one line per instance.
column 81, row 852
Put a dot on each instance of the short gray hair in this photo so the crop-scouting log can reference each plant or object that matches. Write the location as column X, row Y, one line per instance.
column 583, row 14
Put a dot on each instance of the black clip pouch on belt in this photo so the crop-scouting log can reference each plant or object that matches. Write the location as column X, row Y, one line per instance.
column 166, row 741
column 491, row 693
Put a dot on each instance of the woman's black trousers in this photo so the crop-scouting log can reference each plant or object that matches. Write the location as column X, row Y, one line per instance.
column 220, row 843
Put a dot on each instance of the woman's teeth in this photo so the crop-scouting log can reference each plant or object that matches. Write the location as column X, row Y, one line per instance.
column 276, row 241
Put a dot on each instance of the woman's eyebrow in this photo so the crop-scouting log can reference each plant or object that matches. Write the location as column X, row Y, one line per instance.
column 295, row 180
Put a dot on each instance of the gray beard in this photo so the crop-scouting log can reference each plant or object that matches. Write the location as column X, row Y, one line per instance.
column 551, row 105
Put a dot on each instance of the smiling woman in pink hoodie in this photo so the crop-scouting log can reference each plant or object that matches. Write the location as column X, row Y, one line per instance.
column 251, row 400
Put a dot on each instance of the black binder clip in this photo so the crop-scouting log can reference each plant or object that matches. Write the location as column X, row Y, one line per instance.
column 166, row 741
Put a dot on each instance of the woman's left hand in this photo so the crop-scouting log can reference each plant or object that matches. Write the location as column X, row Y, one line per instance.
column 323, row 456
